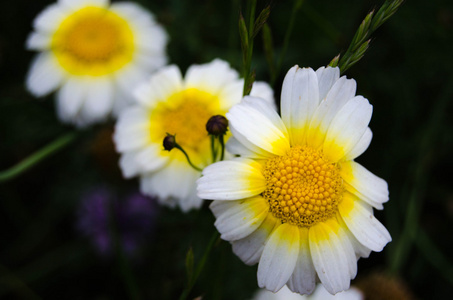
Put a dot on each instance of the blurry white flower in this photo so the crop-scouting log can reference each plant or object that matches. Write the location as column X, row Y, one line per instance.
column 167, row 103
column 94, row 53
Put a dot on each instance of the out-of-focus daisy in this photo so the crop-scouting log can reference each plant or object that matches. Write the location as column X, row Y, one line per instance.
column 296, row 202
column 94, row 52
column 133, row 216
column 320, row 294
column 167, row 103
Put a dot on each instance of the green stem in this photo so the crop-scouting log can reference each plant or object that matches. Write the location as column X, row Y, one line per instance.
column 222, row 144
column 200, row 266
column 187, row 157
column 36, row 157
column 213, row 149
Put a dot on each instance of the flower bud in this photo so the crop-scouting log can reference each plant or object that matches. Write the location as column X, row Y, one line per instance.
column 169, row 142
column 217, row 125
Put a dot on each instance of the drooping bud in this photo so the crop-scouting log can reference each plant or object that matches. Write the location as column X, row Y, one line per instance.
column 217, row 125
column 169, row 142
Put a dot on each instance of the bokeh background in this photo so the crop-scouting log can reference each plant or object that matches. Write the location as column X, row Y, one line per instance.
column 54, row 246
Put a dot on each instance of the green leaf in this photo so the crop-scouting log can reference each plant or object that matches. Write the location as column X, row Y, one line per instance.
column 360, row 41
column 334, row 62
column 244, row 37
column 249, row 83
column 261, row 20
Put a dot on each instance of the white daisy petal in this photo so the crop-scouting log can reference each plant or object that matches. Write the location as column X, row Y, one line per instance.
column 250, row 248
column 211, row 77
column 38, row 41
column 299, row 100
column 150, row 158
column 348, row 249
column 131, row 118
column 128, row 78
column 98, row 103
column 267, row 110
column 231, row 94
column 241, row 178
column 303, row 280
column 234, row 147
column 264, row 91
column 253, row 150
column 279, row 257
column 75, row 4
column 326, row 79
column 347, row 127
column 365, row 227
column 342, row 91
column 163, row 181
column 238, row 219
column 70, row 99
column 45, row 75
column 134, row 12
column 367, row 186
column 254, row 119
column 132, row 141
column 128, row 165
column 339, row 94
column 361, row 145
column 192, row 201
column 50, row 18
column 162, row 85
column 131, row 130
column 328, row 258
column 359, row 249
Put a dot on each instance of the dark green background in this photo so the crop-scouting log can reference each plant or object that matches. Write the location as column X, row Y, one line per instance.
column 406, row 74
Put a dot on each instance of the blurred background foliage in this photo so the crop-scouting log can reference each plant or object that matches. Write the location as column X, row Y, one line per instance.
column 406, row 74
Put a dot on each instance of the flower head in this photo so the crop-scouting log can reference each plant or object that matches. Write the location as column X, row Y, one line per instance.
column 217, row 125
column 93, row 52
column 169, row 142
column 133, row 216
column 296, row 202
column 167, row 103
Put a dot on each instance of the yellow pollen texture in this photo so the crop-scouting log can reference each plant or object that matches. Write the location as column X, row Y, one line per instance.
column 93, row 41
column 185, row 114
column 303, row 187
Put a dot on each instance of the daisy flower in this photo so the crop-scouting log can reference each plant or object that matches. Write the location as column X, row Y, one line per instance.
column 167, row 103
column 295, row 201
column 93, row 52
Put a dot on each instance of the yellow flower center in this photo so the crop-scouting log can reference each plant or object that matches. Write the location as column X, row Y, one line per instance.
column 93, row 41
column 185, row 115
column 303, row 187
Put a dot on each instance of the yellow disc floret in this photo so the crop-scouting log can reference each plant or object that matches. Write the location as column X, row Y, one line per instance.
column 303, row 187
column 93, row 41
column 184, row 114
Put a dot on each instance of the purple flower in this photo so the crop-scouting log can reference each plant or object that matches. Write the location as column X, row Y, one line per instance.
column 133, row 217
